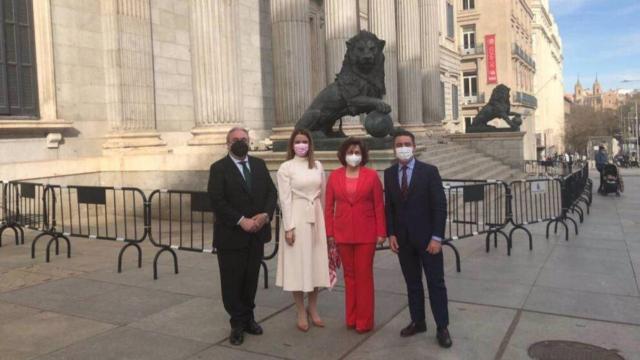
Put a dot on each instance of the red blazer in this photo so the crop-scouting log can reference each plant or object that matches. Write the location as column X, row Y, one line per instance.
column 358, row 222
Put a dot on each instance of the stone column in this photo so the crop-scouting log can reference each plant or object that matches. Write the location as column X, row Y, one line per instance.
column 129, row 80
column 291, row 63
column 432, row 111
column 341, row 23
column 409, row 66
column 216, row 78
column 382, row 22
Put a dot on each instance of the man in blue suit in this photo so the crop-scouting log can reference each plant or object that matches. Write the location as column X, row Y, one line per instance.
column 416, row 210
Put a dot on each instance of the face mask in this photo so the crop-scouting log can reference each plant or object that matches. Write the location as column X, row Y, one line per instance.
column 404, row 153
column 301, row 149
column 240, row 149
column 353, row 159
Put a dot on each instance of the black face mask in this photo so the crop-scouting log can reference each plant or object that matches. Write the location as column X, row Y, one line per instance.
column 240, row 149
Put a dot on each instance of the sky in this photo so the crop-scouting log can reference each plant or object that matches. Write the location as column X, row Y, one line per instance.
column 599, row 36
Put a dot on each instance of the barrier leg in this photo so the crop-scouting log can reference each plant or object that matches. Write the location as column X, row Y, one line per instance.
column 155, row 261
column 495, row 240
column 566, row 229
column 54, row 239
column 66, row 240
column 549, row 225
column 124, row 248
column 520, row 227
column 455, row 252
column 21, row 234
column 488, row 241
column 266, row 273
column 575, row 224
column 35, row 240
column 15, row 233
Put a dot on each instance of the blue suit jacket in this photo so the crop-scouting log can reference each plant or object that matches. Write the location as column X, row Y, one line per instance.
column 424, row 213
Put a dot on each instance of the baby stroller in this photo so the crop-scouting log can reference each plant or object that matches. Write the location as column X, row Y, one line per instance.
column 612, row 180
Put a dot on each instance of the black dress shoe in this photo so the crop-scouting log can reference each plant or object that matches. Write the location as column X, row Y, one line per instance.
column 413, row 329
column 253, row 328
column 236, row 337
column 444, row 339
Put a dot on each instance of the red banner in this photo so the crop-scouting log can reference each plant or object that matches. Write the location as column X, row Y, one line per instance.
column 492, row 71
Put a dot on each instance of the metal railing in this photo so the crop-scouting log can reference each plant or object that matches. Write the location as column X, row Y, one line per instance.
column 184, row 220
column 7, row 219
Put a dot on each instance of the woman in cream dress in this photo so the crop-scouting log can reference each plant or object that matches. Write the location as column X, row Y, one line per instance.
column 303, row 263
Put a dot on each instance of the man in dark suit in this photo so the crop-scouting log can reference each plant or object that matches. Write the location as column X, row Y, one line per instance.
column 416, row 210
column 243, row 198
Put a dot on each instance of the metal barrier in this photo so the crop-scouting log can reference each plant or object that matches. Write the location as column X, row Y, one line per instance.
column 179, row 220
column 6, row 222
column 533, row 201
column 576, row 190
column 98, row 213
column 26, row 207
column 475, row 208
column 184, row 220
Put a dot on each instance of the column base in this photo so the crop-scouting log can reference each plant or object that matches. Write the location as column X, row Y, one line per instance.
column 134, row 142
column 417, row 129
column 210, row 135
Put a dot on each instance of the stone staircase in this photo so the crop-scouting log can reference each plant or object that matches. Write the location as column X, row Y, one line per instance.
column 457, row 161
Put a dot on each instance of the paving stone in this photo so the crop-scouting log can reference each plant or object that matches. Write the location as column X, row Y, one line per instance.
column 199, row 319
column 585, row 304
column 43, row 332
column 534, row 327
column 223, row 352
column 476, row 332
column 129, row 343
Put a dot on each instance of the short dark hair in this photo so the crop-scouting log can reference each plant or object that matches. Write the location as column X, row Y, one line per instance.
column 601, row 147
column 342, row 151
column 403, row 132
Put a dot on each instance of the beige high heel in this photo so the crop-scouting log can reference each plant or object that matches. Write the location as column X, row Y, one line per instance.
column 314, row 322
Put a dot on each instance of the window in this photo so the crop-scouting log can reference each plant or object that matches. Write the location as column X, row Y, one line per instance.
column 469, row 39
column 470, row 85
column 454, row 101
column 468, row 4
column 18, row 90
column 450, row 27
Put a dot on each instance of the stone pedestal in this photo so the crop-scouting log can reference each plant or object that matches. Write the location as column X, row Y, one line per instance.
column 507, row 147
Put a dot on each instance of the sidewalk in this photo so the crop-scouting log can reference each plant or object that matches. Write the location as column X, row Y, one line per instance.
column 586, row 289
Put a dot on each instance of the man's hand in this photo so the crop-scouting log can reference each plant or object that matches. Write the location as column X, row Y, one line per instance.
column 289, row 237
column 249, row 225
column 381, row 239
column 434, row 247
column 393, row 244
column 261, row 219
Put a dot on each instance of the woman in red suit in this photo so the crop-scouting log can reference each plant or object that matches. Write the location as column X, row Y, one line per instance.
column 355, row 220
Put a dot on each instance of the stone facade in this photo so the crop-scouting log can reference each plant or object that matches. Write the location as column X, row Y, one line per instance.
column 548, row 81
column 168, row 78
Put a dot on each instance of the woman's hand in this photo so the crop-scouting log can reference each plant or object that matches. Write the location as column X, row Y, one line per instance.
column 289, row 237
column 331, row 240
column 381, row 240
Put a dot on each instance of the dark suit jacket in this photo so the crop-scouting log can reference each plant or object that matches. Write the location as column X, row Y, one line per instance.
column 231, row 199
column 424, row 213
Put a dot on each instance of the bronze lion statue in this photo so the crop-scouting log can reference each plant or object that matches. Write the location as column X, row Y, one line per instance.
column 358, row 89
column 499, row 106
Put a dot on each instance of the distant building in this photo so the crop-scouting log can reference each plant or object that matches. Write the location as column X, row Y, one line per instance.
column 506, row 59
column 595, row 98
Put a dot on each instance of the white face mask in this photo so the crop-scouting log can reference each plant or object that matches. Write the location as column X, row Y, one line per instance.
column 353, row 159
column 404, row 153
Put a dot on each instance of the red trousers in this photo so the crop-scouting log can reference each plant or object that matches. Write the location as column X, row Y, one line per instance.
column 357, row 263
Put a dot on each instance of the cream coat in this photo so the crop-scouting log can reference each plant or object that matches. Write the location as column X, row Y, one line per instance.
column 304, row 265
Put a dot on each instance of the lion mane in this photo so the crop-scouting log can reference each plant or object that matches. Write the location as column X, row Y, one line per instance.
column 355, row 78
column 498, row 106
